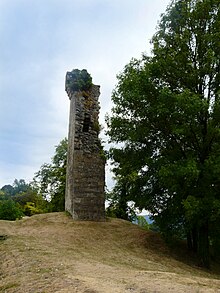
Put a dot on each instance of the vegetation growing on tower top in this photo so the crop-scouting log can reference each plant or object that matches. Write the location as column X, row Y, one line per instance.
column 78, row 80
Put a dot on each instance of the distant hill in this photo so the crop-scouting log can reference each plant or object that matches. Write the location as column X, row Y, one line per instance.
column 52, row 253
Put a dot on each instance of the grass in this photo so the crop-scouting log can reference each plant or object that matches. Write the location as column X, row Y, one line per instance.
column 8, row 286
column 52, row 253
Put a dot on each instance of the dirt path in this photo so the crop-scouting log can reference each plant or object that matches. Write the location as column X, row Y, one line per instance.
column 51, row 253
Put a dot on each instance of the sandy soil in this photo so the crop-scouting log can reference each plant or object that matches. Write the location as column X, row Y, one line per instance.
column 51, row 253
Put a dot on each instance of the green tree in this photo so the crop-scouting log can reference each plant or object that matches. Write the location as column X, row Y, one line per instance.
column 166, row 113
column 9, row 210
column 18, row 186
column 18, row 196
column 31, row 202
column 51, row 178
column 8, row 190
column 119, row 206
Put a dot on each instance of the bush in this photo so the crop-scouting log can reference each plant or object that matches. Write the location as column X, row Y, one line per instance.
column 80, row 80
column 9, row 210
column 30, row 209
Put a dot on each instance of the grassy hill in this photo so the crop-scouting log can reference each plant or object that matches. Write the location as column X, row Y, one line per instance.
column 52, row 253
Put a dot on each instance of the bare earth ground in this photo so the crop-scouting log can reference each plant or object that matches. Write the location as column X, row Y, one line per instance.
column 52, row 253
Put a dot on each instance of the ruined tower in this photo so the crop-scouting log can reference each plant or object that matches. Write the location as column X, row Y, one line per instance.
column 84, row 198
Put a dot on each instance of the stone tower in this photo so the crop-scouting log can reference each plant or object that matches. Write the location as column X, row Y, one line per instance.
column 84, row 198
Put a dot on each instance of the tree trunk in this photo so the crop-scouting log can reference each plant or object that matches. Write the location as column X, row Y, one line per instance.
column 195, row 239
column 203, row 246
column 192, row 240
column 189, row 241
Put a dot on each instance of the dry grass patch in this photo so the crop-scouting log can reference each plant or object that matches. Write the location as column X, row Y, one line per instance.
column 52, row 253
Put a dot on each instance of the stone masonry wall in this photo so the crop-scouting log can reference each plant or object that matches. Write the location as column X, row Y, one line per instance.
column 84, row 198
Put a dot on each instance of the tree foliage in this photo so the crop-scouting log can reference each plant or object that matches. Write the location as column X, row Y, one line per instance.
column 9, row 210
column 45, row 194
column 50, row 180
column 80, row 80
column 20, row 199
column 18, row 186
column 167, row 115
column 31, row 202
column 118, row 202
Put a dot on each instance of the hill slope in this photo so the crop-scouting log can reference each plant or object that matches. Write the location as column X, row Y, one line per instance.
column 51, row 253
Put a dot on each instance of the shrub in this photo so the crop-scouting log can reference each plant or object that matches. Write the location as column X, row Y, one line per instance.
column 81, row 80
column 30, row 209
column 9, row 210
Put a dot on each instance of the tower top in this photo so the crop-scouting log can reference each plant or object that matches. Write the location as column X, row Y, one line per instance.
column 78, row 80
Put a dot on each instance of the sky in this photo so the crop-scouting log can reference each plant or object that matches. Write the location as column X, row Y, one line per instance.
column 39, row 42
